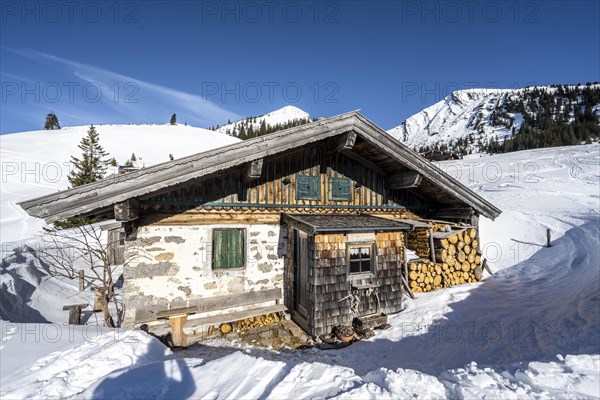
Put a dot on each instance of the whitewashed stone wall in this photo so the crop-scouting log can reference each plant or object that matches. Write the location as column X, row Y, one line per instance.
column 173, row 264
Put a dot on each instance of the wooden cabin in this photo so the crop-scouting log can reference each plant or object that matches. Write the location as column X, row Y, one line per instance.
column 313, row 219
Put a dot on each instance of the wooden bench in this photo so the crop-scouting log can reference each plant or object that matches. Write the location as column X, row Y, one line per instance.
column 177, row 317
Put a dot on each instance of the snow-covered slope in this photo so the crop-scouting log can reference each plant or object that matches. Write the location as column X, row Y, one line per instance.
column 277, row 117
column 38, row 162
column 457, row 116
column 469, row 114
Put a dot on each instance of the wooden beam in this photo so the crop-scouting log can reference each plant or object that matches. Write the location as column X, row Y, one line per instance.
column 404, row 180
column 252, row 170
column 365, row 162
column 343, row 142
column 127, row 210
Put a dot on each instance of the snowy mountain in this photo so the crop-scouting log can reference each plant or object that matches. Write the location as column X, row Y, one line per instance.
column 284, row 117
column 37, row 163
column 469, row 119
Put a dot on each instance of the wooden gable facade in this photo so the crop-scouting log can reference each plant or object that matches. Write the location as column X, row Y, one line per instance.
column 316, row 216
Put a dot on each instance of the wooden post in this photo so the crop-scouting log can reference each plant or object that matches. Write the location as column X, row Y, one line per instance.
column 81, row 281
column 431, row 245
column 176, row 323
column 548, row 238
column 74, row 313
column 485, row 266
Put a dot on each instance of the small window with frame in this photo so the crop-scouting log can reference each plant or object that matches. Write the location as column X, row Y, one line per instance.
column 228, row 250
column 361, row 258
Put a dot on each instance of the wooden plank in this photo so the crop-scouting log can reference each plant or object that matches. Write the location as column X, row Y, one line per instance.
column 216, row 303
column 237, row 300
column 195, row 324
column 405, row 180
column 176, row 311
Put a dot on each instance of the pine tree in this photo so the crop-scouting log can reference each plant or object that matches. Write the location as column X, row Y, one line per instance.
column 173, row 119
column 263, row 128
column 92, row 164
column 51, row 122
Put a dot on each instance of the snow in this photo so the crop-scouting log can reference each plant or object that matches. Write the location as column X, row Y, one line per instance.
column 280, row 116
column 462, row 114
column 57, row 361
column 454, row 117
column 532, row 330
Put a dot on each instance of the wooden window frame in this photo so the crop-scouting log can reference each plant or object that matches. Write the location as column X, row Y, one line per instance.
column 373, row 249
column 226, row 269
column 332, row 180
column 317, row 182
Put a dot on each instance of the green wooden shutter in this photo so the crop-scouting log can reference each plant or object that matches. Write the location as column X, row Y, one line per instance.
column 339, row 189
column 228, row 248
column 308, row 187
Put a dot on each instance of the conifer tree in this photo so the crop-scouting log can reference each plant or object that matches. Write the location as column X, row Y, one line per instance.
column 173, row 119
column 92, row 164
column 51, row 122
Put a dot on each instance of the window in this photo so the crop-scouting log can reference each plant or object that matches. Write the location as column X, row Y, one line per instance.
column 339, row 189
column 228, row 248
column 360, row 258
column 308, row 187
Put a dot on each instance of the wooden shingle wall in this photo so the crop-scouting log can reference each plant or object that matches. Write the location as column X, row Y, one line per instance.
column 329, row 284
column 329, row 281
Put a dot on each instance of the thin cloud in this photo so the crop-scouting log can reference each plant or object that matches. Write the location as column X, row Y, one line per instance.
column 128, row 96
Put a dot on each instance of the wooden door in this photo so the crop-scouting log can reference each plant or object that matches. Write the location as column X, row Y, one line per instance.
column 300, row 272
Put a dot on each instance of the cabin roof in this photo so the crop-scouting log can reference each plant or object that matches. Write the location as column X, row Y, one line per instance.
column 346, row 223
column 383, row 153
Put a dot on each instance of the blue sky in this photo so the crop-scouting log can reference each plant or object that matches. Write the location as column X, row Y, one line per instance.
column 209, row 61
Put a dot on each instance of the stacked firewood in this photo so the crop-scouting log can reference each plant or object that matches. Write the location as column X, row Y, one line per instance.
column 425, row 275
column 458, row 260
column 255, row 322
column 418, row 241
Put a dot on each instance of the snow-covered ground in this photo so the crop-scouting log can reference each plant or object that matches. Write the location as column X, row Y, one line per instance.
column 532, row 330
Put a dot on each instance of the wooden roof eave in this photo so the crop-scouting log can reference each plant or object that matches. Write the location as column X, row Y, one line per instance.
column 85, row 199
column 413, row 160
column 104, row 194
